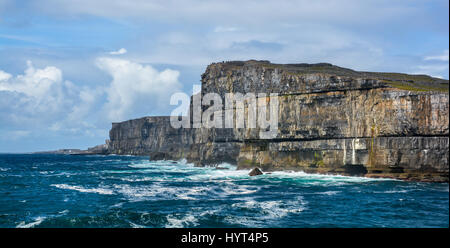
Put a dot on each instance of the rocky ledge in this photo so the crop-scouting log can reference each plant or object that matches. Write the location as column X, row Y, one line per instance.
column 331, row 120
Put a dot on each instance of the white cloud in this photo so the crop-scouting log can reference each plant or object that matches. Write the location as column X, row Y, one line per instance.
column 443, row 57
column 344, row 32
column 4, row 76
column 315, row 43
column 41, row 99
column 35, row 82
column 119, row 52
column 136, row 87
column 236, row 11
column 88, row 99
column 37, row 92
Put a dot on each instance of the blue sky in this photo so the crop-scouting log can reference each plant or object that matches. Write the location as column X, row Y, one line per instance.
column 70, row 68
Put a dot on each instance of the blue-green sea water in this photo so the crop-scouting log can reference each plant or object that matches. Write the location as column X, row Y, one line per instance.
column 125, row 191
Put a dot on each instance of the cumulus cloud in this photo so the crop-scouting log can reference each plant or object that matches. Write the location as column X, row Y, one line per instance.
column 136, row 87
column 4, row 76
column 119, row 52
column 41, row 99
column 36, row 93
column 40, row 103
column 34, row 83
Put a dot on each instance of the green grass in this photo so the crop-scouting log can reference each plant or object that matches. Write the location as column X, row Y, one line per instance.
column 417, row 86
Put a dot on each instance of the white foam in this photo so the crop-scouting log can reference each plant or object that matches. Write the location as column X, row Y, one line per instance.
column 64, row 212
column 273, row 209
column 392, row 191
column 213, row 174
column 174, row 222
column 102, row 191
column 140, row 192
column 37, row 221
column 231, row 173
column 134, row 225
column 159, row 191
column 142, row 179
column 233, row 189
column 329, row 193
column 203, row 212
column 172, row 169
column 323, row 179
column 66, row 174
column 243, row 221
column 192, row 192
column 117, row 205
column 150, row 164
column 263, row 212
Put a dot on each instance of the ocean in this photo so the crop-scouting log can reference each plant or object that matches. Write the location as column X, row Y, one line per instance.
column 129, row 191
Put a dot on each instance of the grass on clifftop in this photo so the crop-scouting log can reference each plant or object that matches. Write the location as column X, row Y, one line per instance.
column 413, row 82
column 396, row 80
column 417, row 87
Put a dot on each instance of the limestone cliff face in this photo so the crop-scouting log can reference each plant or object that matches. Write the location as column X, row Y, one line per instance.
column 330, row 120
column 145, row 135
column 154, row 136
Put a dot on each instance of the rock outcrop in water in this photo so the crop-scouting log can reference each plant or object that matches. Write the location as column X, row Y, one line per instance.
column 330, row 120
column 255, row 172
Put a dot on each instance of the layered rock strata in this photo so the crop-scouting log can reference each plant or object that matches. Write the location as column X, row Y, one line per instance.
column 330, row 120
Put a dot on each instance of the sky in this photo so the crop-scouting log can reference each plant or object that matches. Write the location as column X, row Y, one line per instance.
column 70, row 68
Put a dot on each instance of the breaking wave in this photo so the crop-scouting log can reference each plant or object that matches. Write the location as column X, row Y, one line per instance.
column 101, row 191
column 120, row 191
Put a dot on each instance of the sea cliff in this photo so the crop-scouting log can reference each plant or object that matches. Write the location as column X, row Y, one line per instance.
column 330, row 120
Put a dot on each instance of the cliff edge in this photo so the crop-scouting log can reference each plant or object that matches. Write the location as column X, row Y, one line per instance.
column 330, row 120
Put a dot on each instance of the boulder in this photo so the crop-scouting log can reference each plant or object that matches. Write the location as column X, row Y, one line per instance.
column 255, row 172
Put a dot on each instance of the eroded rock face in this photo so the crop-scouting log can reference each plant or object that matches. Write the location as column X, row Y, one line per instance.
column 154, row 136
column 330, row 120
